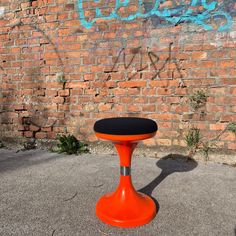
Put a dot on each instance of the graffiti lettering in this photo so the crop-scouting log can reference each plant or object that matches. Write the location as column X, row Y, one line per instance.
column 171, row 15
column 153, row 59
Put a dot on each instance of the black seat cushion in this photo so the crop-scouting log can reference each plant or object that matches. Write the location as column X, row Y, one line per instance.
column 125, row 126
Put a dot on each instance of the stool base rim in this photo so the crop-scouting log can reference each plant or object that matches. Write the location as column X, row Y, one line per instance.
column 133, row 212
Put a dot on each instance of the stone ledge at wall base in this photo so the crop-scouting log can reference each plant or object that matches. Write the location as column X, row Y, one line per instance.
column 218, row 155
column 19, row 143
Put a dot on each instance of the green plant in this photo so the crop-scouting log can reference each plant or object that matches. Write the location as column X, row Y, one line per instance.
column 205, row 149
column 1, row 145
column 60, row 77
column 193, row 140
column 198, row 99
column 231, row 127
column 70, row 145
column 29, row 145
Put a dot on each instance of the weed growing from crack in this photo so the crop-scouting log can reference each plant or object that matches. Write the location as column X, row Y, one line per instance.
column 193, row 140
column 198, row 99
column 70, row 145
column 60, row 77
column 231, row 127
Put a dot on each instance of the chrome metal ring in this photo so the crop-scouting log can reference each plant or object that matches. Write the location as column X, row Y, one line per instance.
column 125, row 170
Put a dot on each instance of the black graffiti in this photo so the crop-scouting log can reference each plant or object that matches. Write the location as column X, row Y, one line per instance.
column 158, row 66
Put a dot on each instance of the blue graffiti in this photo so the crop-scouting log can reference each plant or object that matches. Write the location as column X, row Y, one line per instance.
column 172, row 15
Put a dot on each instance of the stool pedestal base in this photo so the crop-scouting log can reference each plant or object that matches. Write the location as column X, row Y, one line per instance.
column 125, row 207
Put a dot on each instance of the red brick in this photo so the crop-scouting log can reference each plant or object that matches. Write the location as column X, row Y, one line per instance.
column 215, row 108
column 228, row 81
column 229, row 136
column 132, row 84
column 227, row 63
column 41, row 135
column 46, row 129
column 104, row 107
column 21, row 127
column 163, row 142
column 207, row 64
column 214, row 91
column 220, row 126
column 232, row 146
column 34, row 128
column 133, row 108
column 228, row 118
column 150, row 142
column 77, row 85
column 58, row 100
column 51, row 135
column 64, row 92
column 164, row 91
column 199, row 55
column 28, row 134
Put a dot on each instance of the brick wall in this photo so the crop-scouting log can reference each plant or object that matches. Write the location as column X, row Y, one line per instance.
column 64, row 64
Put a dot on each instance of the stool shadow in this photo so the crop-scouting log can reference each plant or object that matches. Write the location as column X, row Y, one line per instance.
column 169, row 164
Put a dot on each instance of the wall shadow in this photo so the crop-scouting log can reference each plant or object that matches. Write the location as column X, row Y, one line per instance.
column 11, row 161
column 169, row 164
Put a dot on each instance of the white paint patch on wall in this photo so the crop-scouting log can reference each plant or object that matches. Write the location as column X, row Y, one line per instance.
column 233, row 35
column 221, row 38
column 2, row 11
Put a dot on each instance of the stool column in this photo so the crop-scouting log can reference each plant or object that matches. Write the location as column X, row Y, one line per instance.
column 125, row 150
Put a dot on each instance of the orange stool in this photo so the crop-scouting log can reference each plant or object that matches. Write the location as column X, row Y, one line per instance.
column 125, row 207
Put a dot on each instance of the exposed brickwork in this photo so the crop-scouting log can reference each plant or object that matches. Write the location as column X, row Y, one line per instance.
column 56, row 76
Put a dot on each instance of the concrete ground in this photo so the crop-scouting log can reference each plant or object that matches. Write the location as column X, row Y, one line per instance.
column 44, row 193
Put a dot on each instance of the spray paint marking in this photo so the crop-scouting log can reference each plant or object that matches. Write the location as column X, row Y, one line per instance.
column 171, row 15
